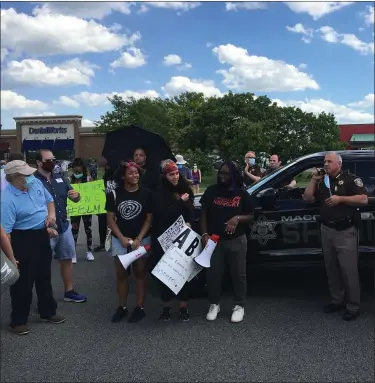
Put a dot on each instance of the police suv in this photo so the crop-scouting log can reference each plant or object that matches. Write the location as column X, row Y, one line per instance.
column 285, row 228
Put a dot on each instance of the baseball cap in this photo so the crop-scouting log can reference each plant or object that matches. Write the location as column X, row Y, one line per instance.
column 18, row 166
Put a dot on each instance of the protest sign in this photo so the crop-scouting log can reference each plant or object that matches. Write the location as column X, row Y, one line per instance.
column 92, row 199
column 177, row 265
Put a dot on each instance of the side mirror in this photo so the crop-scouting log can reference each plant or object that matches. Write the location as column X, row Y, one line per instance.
column 268, row 198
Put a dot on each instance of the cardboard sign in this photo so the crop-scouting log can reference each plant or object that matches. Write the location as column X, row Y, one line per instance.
column 92, row 199
column 166, row 239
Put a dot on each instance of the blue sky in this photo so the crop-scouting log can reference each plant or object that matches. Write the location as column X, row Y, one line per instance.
column 66, row 58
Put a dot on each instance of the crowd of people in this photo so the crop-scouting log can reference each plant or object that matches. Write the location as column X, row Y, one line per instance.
column 142, row 201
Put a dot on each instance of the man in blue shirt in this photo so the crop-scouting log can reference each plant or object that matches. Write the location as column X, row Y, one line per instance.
column 28, row 218
column 63, row 244
column 184, row 170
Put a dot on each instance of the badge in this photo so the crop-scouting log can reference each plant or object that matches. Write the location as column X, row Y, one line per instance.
column 335, row 188
column 358, row 182
column 59, row 180
column 341, row 182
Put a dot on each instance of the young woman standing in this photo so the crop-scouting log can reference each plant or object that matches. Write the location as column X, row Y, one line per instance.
column 80, row 176
column 197, row 178
column 226, row 211
column 129, row 215
column 173, row 198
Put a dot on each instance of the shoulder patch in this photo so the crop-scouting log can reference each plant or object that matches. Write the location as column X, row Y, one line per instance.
column 358, row 182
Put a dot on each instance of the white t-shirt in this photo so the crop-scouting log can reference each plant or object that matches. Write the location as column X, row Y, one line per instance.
column 3, row 181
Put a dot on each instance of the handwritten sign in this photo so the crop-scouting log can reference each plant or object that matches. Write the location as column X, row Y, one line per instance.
column 92, row 199
column 177, row 265
column 166, row 239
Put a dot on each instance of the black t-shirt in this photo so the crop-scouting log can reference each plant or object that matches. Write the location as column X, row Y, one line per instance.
column 131, row 209
column 344, row 184
column 222, row 205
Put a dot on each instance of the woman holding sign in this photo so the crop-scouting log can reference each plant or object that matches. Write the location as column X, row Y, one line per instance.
column 129, row 215
column 227, row 209
column 79, row 176
column 173, row 198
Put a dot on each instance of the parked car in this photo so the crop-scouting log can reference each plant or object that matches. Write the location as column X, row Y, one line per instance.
column 285, row 229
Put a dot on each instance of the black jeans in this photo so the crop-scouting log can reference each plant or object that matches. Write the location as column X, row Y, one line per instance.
column 102, row 221
column 32, row 250
column 234, row 252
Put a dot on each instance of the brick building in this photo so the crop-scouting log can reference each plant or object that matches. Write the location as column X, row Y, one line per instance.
column 358, row 136
column 62, row 134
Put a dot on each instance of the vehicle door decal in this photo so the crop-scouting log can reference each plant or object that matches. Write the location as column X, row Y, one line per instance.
column 263, row 230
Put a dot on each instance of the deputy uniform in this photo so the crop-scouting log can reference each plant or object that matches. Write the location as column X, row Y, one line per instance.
column 255, row 171
column 339, row 233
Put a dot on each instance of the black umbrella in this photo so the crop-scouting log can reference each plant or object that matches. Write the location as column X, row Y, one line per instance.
column 120, row 145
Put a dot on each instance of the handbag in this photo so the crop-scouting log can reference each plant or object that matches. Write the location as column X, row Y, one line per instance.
column 9, row 273
column 108, row 237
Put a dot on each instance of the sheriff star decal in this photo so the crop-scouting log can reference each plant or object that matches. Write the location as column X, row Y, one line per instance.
column 263, row 230
column 358, row 182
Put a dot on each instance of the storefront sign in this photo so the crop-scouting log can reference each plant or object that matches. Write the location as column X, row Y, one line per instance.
column 48, row 132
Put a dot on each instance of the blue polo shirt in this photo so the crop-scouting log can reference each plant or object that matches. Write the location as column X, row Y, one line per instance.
column 58, row 187
column 24, row 210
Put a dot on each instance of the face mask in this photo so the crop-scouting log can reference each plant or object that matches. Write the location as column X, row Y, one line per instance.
column 78, row 175
column 48, row 166
column 29, row 180
column 179, row 166
column 252, row 161
column 2, row 166
column 195, row 168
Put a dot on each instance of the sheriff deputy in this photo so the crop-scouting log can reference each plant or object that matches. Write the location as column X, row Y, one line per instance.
column 339, row 193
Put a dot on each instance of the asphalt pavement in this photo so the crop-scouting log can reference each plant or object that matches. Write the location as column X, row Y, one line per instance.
column 285, row 335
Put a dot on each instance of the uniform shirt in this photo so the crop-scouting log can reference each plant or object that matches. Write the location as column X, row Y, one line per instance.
column 58, row 187
column 185, row 172
column 344, row 184
column 255, row 171
column 24, row 210
column 131, row 209
column 222, row 205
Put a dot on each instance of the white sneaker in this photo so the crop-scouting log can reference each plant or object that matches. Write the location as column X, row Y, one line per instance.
column 212, row 312
column 238, row 314
column 89, row 256
column 74, row 260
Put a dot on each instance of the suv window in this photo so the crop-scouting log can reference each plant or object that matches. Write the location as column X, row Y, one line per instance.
column 366, row 171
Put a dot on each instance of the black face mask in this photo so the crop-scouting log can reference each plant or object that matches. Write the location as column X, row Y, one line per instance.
column 48, row 166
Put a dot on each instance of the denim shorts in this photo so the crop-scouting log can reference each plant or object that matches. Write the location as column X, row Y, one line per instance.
column 63, row 245
column 117, row 248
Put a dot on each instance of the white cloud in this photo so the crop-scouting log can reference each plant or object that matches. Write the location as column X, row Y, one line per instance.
column 36, row 73
column 86, row 123
column 248, row 6
column 133, row 58
column 4, row 53
column 307, row 34
column 257, row 73
column 179, row 6
column 367, row 102
column 343, row 113
column 67, row 101
column 32, row 114
column 302, row 66
column 53, row 34
column 96, row 99
column 180, row 84
column 172, row 59
column 369, row 16
column 13, row 101
column 89, row 10
column 330, row 35
column 317, row 9
column 184, row 66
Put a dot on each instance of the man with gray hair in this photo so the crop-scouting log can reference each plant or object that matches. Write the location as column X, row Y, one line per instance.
column 339, row 193
column 29, row 219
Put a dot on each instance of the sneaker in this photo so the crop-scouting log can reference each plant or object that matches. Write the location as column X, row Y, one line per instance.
column 73, row 296
column 74, row 260
column 137, row 315
column 89, row 256
column 165, row 314
column 19, row 330
column 333, row 307
column 99, row 248
column 350, row 315
column 238, row 314
column 55, row 319
column 120, row 314
column 212, row 312
column 184, row 314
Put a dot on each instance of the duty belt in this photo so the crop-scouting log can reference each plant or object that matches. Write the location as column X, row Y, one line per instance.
column 340, row 224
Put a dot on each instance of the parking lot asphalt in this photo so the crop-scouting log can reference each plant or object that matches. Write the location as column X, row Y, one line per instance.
column 285, row 335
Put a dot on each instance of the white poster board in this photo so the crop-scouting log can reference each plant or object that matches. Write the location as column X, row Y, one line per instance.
column 177, row 265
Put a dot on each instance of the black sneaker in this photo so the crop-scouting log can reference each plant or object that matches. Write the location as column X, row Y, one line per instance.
column 120, row 314
column 137, row 314
column 165, row 314
column 184, row 314
column 332, row 308
column 99, row 248
column 350, row 315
